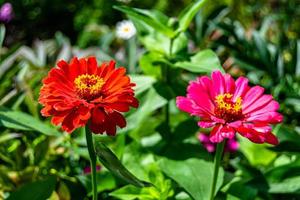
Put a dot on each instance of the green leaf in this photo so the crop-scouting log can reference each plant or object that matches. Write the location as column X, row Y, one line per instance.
column 112, row 163
column 148, row 18
column 194, row 175
column 289, row 139
column 130, row 192
column 185, row 129
column 39, row 190
column 256, row 154
column 164, row 90
column 151, row 101
column 107, row 182
column 160, row 44
column 2, row 34
column 203, row 62
column 22, row 121
column 10, row 136
column 148, row 66
column 241, row 190
column 261, row 46
column 187, row 15
column 142, row 82
column 289, row 185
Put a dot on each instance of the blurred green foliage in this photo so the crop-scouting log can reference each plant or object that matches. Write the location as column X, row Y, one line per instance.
column 258, row 39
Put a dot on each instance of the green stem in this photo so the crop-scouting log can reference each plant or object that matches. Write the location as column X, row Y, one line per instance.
column 92, row 154
column 166, row 76
column 131, row 55
column 217, row 160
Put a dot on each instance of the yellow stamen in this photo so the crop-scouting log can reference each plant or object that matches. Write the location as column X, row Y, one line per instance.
column 88, row 86
column 224, row 102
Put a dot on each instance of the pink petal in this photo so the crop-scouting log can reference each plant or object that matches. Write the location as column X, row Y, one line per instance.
column 204, row 138
column 218, row 83
column 206, row 124
column 269, row 117
column 251, row 134
column 215, row 135
column 185, row 104
column 259, row 127
column 229, row 84
column 258, row 104
column 251, row 96
column 206, row 84
column 271, row 106
column 218, row 120
column 232, row 145
column 210, row 147
column 202, row 99
column 189, row 106
column 271, row 139
column 241, row 87
column 227, row 132
column 235, row 124
column 257, row 137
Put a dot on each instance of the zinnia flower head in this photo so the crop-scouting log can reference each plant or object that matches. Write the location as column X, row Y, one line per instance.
column 231, row 106
column 125, row 29
column 231, row 144
column 6, row 13
column 81, row 91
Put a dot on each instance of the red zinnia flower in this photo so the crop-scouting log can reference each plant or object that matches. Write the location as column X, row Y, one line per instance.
column 231, row 106
column 80, row 91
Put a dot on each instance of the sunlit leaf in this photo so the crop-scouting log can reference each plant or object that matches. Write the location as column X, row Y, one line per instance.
column 203, row 62
column 148, row 18
column 186, row 16
column 256, row 154
column 22, row 121
column 194, row 175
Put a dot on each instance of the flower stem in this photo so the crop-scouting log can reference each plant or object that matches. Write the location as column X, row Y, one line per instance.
column 217, row 160
column 131, row 55
column 92, row 154
column 166, row 75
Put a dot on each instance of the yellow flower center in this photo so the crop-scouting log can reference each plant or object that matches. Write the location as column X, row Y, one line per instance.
column 88, row 86
column 227, row 109
column 126, row 29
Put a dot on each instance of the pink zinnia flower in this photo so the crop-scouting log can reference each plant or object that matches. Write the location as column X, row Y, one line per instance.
column 6, row 12
column 231, row 145
column 231, row 106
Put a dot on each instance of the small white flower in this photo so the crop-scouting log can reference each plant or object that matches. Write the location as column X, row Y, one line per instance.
column 125, row 29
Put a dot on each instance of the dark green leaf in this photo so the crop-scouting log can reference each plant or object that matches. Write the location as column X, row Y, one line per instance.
column 164, row 90
column 242, row 191
column 185, row 129
column 111, row 162
column 39, row 190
